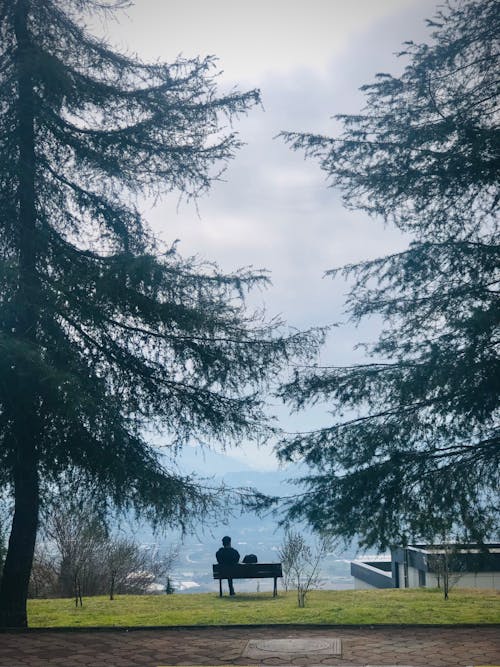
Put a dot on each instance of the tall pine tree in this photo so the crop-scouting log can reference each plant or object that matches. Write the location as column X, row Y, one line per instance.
column 414, row 450
column 102, row 333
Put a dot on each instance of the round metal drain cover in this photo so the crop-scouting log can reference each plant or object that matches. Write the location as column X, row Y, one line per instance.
column 276, row 647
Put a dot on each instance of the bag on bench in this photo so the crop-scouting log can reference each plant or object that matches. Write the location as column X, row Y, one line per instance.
column 249, row 558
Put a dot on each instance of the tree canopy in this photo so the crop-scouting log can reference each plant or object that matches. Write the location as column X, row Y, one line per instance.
column 415, row 446
column 104, row 333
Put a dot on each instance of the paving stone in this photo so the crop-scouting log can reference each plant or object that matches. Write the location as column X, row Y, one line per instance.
column 377, row 646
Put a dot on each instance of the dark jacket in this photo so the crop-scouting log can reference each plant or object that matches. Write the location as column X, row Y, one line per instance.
column 227, row 556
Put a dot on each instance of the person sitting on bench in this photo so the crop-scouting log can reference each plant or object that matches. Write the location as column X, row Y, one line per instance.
column 226, row 555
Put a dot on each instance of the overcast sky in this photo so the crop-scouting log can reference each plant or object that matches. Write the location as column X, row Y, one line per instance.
column 274, row 209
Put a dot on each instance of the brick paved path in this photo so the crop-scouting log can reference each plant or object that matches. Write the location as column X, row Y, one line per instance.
column 415, row 646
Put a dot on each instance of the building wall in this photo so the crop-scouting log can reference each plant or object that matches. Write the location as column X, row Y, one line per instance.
column 413, row 581
column 360, row 585
column 479, row 569
column 469, row 580
column 401, row 573
column 367, row 575
column 466, row 580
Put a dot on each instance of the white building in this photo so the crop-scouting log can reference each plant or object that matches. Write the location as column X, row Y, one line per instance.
column 469, row 566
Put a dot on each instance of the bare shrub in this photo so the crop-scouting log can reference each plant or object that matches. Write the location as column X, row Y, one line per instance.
column 301, row 563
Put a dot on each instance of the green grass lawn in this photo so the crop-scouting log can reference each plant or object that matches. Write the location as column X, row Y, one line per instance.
column 343, row 607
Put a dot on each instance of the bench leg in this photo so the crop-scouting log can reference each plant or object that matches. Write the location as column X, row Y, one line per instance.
column 220, row 588
column 275, row 589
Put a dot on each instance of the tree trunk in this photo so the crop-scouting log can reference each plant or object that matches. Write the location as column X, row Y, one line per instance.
column 112, row 587
column 19, row 559
column 22, row 413
column 446, row 576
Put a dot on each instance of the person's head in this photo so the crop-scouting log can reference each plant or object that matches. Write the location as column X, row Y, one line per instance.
column 226, row 541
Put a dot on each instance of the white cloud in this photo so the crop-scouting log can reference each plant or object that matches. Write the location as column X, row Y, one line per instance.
column 274, row 209
column 251, row 39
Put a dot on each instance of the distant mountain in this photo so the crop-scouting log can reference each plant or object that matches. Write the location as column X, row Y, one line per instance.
column 219, row 466
column 206, row 462
column 275, row 483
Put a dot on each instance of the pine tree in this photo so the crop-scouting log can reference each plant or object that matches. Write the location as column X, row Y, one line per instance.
column 415, row 448
column 104, row 334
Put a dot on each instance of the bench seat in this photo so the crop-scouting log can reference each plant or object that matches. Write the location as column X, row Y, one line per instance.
column 248, row 571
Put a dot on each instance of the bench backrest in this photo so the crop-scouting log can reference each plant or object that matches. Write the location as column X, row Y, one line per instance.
column 247, row 570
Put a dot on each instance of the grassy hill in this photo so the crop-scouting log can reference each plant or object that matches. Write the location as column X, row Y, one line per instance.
column 371, row 607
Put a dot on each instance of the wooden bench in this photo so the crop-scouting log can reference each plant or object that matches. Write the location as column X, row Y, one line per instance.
column 248, row 571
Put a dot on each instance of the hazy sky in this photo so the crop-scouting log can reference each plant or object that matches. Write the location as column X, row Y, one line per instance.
column 274, row 209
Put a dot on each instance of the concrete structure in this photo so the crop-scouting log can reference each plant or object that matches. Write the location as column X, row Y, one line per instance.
column 468, row 566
